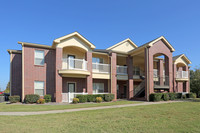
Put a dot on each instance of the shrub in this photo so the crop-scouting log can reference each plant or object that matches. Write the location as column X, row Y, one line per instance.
column 165, row 97
column 47, row 98
column 109, row 97
column 82, row 98
column 75, row 100
column 41, row 101
column 183, row 97
column 171, row 96
column 155, row 97
column 1, row 94
column 14, row 99
column 191, row 95
column 99, row 99
column 91, row 98
column 178, row 95
column 32, row 98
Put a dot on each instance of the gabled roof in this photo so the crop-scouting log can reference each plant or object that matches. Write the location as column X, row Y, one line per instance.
column 58, row 40
column 126, row 40
column 149, row 44
column 182, row 56
column 10, row 51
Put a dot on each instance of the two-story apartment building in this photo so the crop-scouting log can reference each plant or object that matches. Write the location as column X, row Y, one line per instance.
column 73, row 65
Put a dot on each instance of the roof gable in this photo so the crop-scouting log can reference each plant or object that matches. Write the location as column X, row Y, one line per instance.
column 124, row 46
column 183, row 57
column 74, row 34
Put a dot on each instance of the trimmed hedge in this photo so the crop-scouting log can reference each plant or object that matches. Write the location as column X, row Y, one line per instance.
column 31, row 98
column 109, row 97
column 165, row 96
column 178, row 95
column 171, row 96
column 14, row 99
column 191, row 95
column 155, row 97
column 82, row 98
column 90, row 98
column 47, row 98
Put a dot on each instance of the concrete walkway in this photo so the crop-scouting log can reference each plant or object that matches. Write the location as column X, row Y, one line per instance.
column 80, row 109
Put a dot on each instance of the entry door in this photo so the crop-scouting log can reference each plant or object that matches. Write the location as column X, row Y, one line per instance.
column 71, row 87
column 71, row 61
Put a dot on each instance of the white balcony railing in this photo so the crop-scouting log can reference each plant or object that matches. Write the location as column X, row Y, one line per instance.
column 75, row 64
column 182, row 74
column 155, row 73
column 122, row 70
column 100, row 68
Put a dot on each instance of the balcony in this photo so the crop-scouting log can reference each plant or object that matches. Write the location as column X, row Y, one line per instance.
column 122, row 70
column 74, row 66
column 100, row 68
column 182, row 75
column 162, row 82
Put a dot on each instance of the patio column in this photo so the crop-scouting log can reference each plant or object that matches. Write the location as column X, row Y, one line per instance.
column 114, row 74
column 160, row 71
column 168, row 71
column 129, row 62
column 58, row 78
column 89, row 82
column 187, row 82
column 174, row 78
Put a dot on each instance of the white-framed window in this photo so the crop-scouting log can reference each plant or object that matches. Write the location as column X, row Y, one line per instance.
column 39, row 57
column 136, row 70
column 97, row 60
column 98, row 87
column 39, row 88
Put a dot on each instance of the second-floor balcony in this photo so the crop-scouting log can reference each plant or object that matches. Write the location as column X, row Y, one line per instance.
column 122, row 70
column 74, row 64
column 100, row 68
column 182, row 74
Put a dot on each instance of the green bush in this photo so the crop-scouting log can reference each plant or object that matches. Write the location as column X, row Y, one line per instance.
column 165, row 97
column 184, row 96
column 47, row 98
column 31, row 98
column 14, row 99
column 155, row 97
column 1, row 94
column 99, row 99
column 91, row 98
column 178, row 95
column 75, row 100
column 191, row 95
column 82, row 98
column 171, row 96
column 109, row 97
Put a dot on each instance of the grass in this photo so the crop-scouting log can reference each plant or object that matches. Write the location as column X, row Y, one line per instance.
column 29, row 108
column 165, row 118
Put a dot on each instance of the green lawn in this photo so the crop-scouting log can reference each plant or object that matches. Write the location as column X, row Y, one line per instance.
column 162, row 118
column 29, row 108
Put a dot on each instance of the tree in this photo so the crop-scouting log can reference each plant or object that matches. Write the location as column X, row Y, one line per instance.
column 7, row 90
column 195, row 81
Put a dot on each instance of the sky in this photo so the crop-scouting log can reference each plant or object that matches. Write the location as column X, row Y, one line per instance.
column 102, row 22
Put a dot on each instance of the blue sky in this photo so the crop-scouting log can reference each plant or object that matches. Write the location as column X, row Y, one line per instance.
column 103, row 22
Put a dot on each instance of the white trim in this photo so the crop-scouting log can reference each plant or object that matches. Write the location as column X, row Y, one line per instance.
column 41, row 58
column 40, row 89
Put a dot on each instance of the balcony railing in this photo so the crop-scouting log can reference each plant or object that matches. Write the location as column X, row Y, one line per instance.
column 162, row 81
column 75, row 64
column 155, row 73
column 182, row 74
column 100, row 68
column 122, row 70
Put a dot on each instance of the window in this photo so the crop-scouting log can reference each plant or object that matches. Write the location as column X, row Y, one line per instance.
column 39, row 57
column 98, row 87
column 39, row 87
column 97, row 60
column 136, row 70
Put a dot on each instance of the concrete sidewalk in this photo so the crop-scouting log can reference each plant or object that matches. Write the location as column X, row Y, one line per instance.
column 80, row 109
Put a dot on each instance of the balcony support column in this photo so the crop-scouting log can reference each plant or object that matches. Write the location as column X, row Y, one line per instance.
column 113, row 60
column 160, row 71
column 89, row 81
column 174, row 78
column 187, row 82
column 129, row 62
column 58, row 78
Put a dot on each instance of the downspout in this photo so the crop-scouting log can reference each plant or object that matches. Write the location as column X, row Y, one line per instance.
column 10, row 73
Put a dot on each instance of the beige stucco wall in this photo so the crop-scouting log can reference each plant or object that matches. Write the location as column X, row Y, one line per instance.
column 124, row 47
column 121, row 60
column 103, row 56
column 79, row 54
column 180, row 60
